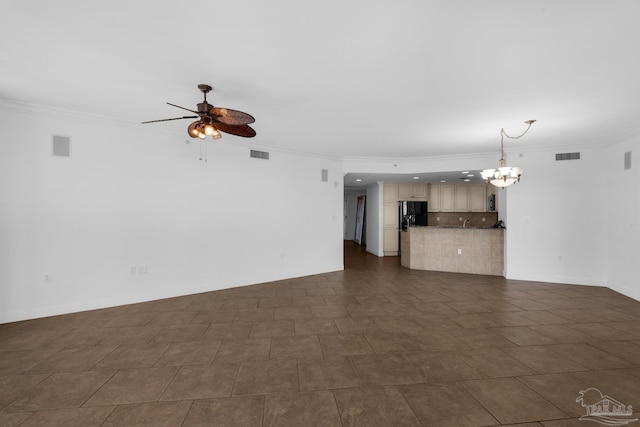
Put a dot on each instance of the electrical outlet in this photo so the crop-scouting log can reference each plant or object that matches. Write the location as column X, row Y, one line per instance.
column 459, row 251
column 133, row 270
column 437, row 218
column 460, row 219
column 484, row 219
column 48, row 278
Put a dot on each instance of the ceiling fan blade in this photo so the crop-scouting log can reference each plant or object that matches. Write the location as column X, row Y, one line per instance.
column 239, row 130
column 174, row 105
column 231, row 117
column 175, row 118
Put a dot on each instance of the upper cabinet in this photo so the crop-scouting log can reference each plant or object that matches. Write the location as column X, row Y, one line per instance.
column 461, row 202
column 447, row 198
column 390, row 192
column 457, row 198
column 412, row 191
column 478, row 197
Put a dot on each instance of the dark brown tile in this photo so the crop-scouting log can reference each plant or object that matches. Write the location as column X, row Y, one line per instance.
column 510, row 401
column 443, row 366
column 240, row 411
column 272, row 328
column 130, row 319
column 523, row 335
column 559, row 389
column 14, row 386
column 149, row 414
column 181, row 317
column 306, row 346
column 269, row 376
column 70, row 417
column 446, row 405
column 481, row 338
column 374, row 406
column 563, row 333
column 590, row 356
column 240, row 303
column 254, row 315
column 202, row 382
column 356, row 325
column 189, row 353
column 61, row 390
column 315, row 326
column 328, row 373
column 180, row 333
column 244, row 350
column 387, row 369
column 228, row 331
column 132, row 356
column 274, row 302
column 316, row 408
column 308, row 301
column 19, row 361
column 473, row 320
column 131, row 335
column 385, row 342
column 344, row 345
column 544, row 360
column 292, row 313
column 13, row 419
column 329, row 311
column 133, row 386
column 214, row 316
column 493, row 363
column 626, row 350
column 73, row 359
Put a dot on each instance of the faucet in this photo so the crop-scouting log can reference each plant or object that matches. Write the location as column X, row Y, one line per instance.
column 464, row 224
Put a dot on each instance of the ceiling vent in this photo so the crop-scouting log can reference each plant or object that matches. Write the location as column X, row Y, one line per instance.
column 567, row 156
column 61, row 146
column 259, row 154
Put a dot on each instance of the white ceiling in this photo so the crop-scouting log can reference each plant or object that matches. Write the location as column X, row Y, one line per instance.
column 345, row 78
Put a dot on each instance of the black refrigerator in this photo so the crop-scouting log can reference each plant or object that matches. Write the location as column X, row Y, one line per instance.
column 410, row 214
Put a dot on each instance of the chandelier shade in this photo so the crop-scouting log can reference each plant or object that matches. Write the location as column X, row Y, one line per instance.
column 504, row 175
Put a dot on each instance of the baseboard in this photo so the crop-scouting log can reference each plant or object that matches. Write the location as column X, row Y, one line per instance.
column 626, row 291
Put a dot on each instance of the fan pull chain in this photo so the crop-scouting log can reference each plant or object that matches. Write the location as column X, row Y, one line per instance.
column 200, row 146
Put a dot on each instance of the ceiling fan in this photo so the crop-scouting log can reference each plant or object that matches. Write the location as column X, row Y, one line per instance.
column 213, row 120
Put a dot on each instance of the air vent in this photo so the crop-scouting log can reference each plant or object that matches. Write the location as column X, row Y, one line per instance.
column 61, row 146
column 567, row 156
column 627, row 160
column 259, row 154
column 324, row 176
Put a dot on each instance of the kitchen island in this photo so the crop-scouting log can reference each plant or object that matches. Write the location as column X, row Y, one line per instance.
column 453, row 249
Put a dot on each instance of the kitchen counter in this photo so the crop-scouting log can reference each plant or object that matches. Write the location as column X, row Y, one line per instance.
column 475, row 250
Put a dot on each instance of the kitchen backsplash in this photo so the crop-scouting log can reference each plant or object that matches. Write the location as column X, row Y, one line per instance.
column 448, row 219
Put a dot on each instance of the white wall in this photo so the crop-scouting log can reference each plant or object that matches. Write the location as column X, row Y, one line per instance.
column 132, row 195
column 556, row 218
column 623, row 218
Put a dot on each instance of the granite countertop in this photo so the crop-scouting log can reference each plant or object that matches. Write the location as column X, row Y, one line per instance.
column 469, row 227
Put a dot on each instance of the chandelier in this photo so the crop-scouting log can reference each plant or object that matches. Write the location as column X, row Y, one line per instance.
column 505, row 175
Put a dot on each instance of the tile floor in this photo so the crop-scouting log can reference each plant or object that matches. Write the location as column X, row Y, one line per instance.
column 374, row 345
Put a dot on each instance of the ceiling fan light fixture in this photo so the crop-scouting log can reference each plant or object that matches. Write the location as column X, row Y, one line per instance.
column 216, row 134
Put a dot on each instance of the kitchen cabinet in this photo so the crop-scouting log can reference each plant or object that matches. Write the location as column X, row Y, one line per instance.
column 461, row 198
column 447, row 198
column 457, row 198
column 412, row 191
column 478, row 197
column 434, row 198
column 390, row 192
